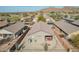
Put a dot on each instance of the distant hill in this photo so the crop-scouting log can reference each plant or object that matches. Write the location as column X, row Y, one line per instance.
column 65, row 9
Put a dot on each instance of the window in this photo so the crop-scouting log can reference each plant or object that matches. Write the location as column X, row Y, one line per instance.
column 0, row 35
column 10, row 34
column 5, row 35
column 48, row 38
column 30, row 40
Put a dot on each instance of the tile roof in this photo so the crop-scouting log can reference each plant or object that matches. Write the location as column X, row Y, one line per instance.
column 66, row 27
column 40, row 26
column 15, row 27
column 3, row 23
column 76, row 22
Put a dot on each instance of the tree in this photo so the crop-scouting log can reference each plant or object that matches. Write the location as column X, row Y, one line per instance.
column 77, row 17
column 4, row 14
column 56, row 15
column 75, row 41
column 25, row 15
column 13, row 18
column 41, row 18
column 66, row 16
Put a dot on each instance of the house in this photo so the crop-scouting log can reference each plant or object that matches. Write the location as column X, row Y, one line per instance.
column 41, row 38
column 3, row 34
column 12, row 31
column 11, row 36
column 50, row 21
column 67, row 27
column 17, row 29
column 27, row 20
column 76, row 23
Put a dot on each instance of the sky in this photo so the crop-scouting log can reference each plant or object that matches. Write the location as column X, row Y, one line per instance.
column 24, row 8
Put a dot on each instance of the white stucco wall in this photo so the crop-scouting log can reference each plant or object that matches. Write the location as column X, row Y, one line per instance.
column 39, row 44
column 40, row 40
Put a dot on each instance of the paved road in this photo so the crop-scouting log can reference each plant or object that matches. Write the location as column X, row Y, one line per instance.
column 49, row 18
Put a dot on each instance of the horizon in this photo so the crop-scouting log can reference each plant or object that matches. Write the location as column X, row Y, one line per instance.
column 4, row 9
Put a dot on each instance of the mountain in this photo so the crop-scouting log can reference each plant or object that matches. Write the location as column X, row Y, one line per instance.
column 56, row 10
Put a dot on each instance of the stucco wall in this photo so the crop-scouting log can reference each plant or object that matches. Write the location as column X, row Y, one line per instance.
column 38, row 42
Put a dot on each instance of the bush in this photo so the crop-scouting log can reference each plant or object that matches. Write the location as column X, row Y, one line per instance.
column 77, row 17
column 46, row 47
column 75, row 41
column 13, row 19
column 56, row 16
column 41, row 18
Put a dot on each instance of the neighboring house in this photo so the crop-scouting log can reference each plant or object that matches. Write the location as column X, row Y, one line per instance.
column 67, row 27
column 40, row 38
column 27, row 20
column 50, row 21
column 4, row 34
column 13, row 31
column 12, row 36
column 17, row 29
column 76, row 23
column 3, row 24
